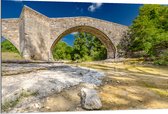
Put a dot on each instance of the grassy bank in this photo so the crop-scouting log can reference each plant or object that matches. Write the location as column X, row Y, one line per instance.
column 10, row 56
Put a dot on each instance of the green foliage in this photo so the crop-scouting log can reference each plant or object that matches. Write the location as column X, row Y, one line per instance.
column 62, row 51
column 86, row 48
column 149, row 31
column 162, row 59
column 7, row 46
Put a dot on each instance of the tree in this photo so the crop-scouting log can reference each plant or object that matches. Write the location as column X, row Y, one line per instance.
column 149, row 31
column 80, row 49
column 62, row 51
column 88, row 47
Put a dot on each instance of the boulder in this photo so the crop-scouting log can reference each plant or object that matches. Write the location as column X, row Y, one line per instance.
column 90, row 99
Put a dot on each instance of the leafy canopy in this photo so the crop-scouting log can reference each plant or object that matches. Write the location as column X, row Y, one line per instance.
column 149, row 33
column 149, row 30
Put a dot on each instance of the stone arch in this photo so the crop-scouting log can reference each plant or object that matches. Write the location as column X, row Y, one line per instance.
column 10, row 31
column 12, row 42
column 111, row 49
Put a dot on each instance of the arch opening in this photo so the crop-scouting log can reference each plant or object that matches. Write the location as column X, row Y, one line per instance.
column 8, row 50
column 8, row 46
column 104, row 39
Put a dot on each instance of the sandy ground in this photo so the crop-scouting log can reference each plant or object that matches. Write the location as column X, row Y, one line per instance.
column 130, row 86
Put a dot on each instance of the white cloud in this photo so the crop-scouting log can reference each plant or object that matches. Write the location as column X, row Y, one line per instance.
column 94, row 6
column 73, row 33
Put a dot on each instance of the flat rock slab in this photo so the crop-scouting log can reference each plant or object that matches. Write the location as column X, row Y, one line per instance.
column 90, row 99
column 46, row 82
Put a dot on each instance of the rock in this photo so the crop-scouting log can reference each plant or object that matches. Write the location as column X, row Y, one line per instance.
column 48, row 108
column 118, row 82
column 90, row 99
column 37, row 106
column 89, row 85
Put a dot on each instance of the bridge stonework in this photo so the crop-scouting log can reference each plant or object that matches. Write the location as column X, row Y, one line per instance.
column 35, row 34
column 10, row 30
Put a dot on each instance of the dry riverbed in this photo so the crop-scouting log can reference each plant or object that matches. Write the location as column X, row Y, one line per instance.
column 132, row 86
column 31, row 87
column 56, row 87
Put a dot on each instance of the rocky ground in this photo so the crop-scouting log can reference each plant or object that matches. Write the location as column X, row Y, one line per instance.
column 30, row 87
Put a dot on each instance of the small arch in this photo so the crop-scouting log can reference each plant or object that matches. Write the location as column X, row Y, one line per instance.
column 111, row 49
column 11, row 43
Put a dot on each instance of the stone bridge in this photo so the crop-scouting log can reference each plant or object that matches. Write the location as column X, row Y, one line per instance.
column 34, row 34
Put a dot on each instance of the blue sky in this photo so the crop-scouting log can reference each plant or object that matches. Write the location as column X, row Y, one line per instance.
column 118, row 13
